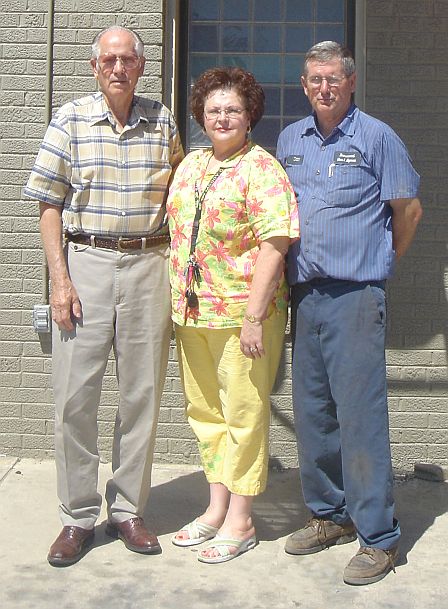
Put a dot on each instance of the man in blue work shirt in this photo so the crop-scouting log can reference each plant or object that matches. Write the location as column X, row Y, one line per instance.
column 359, row 210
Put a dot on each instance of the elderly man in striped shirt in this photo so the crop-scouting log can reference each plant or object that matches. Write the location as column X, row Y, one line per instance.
column 359, row 210
column 100, row 177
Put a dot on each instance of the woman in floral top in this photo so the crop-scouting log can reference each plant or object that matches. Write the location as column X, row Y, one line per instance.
column 232, row 215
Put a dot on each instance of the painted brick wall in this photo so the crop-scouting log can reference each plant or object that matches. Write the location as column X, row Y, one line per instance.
column 404, row 55
column 26, row 403
column 407, row 86
column 26, row 410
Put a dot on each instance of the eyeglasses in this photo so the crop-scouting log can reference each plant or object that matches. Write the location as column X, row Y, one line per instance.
column 332, row 81
column 215, row 113
column 107, row 62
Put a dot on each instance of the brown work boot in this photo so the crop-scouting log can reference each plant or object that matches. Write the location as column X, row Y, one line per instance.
column 369, row 565
column 319, row 534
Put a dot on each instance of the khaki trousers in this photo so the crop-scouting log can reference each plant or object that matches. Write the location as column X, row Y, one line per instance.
column 125, row 300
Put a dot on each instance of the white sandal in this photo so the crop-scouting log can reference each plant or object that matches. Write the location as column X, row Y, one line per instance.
column 198, row 532
column 222, row 545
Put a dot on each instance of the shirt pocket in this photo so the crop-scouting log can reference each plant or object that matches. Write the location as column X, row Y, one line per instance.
column 346, row 185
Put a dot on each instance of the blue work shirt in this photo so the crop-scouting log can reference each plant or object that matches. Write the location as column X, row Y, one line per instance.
column 343, row 185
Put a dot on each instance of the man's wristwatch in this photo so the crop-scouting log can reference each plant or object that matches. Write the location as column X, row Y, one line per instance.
column 252, row 319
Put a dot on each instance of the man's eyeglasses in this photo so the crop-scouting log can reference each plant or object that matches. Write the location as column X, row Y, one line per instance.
column 332, row 81
column 107, row 62
column 215, row 113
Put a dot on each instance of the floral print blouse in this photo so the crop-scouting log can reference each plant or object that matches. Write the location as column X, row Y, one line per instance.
column 250, row 201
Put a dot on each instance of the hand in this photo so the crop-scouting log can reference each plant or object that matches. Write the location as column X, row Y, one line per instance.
column 65, row 305
column 251, row 339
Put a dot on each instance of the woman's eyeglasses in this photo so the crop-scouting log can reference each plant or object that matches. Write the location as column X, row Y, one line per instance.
column 214, row 113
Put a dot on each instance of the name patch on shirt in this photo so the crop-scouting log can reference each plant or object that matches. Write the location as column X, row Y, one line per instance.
column 347, row 158
column 294, row 159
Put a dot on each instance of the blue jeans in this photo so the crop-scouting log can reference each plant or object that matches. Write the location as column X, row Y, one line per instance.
column 340, row 405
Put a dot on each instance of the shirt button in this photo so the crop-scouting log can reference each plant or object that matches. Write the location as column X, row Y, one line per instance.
column 307, row 249
column 123, row 213
column 307, row 221
column 318, row 172
column 322, row 147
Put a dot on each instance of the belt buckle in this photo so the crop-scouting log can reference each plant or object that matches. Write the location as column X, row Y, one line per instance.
column 122, row 240
column 120, row 247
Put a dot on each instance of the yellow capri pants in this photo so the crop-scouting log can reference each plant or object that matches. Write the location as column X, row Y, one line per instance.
column 228, row 401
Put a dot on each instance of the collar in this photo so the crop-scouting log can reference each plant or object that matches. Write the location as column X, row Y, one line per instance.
column 101, row 112
column 236, row 157
column 346, row 126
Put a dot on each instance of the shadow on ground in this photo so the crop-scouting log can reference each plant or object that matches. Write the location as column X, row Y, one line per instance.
column 280, row 509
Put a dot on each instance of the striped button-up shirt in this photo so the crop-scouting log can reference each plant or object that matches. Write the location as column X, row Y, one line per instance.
column 108, row 182
column 344, row 184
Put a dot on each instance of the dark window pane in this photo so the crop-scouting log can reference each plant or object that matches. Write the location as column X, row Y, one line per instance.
column 236, row 10
column 267, row 39
column 272, row 100
column 266, row 132
column 299, row 11
column 235, row 37
column 267, row 10
column 200, row 63
column 196, row 136
column 204, row 10
column 266, row 68
column 293, row 69
column 330, row 10
column 295, row 102
column 204, row 38
column 330, row 32
column 240, row 61
column 298, row 39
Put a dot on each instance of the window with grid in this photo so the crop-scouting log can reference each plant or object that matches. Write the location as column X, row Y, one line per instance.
column 267, row 37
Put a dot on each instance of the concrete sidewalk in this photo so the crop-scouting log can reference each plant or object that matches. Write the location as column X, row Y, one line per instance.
column 111, row 577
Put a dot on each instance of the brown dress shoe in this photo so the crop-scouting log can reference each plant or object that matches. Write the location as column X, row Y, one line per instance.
column 134, row 535
column 71, row 545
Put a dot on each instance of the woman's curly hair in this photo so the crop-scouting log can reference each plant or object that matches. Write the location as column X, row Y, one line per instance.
column 238, row 79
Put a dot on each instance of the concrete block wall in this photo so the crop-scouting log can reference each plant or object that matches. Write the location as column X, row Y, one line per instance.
column 26, row 402
column 405, row 75
column 407, row 86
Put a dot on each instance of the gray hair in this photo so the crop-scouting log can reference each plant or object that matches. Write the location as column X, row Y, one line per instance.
column 327, row 51
column 138, row 46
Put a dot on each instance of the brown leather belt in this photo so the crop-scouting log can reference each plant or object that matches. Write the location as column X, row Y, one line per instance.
column 123, row 244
